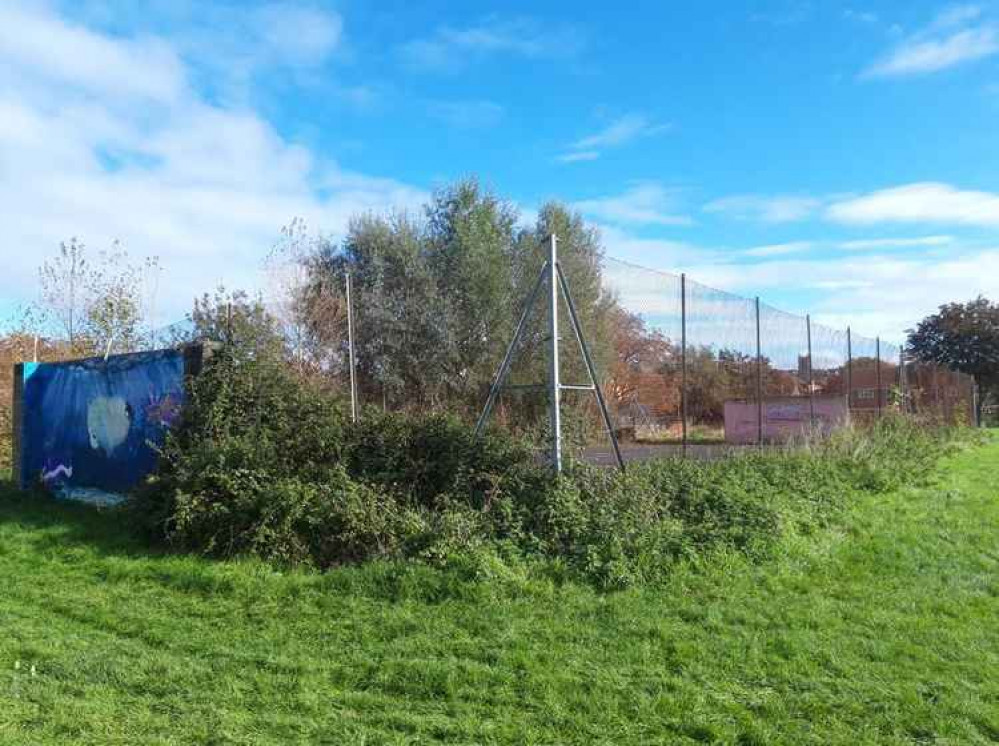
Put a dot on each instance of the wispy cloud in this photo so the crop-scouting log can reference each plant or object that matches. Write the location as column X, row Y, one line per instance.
column 779, row 249
column 467, row 114
column 646, row 203
column 958, row 36
column 301, row 35
column 619, row 132
column 895, row 243
column 765, row 208
column 926, row 202
column 582, row 155
column 860, row 16
column 450, row 48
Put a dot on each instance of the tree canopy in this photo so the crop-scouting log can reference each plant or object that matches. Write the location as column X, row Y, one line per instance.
column 963, row 337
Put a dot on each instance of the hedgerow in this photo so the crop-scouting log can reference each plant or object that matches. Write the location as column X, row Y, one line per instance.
column 264, row 464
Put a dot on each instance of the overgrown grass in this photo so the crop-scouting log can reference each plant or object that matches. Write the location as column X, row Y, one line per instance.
column 878, row 629
column 264, row 465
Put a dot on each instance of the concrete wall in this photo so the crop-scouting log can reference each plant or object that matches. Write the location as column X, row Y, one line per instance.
column 783, row 418
column 95, row 423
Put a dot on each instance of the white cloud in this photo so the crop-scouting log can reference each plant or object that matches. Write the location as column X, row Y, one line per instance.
column 957, row 15
column 874, row 294
column 43, row 48
column 956, row 37
column 768, row 209
column 779, row 249
column 646, row 203
column 450, row 48
column 925, row 202
column 621, row 131
column 301, row 34
column 204, row 187
column 895, row 243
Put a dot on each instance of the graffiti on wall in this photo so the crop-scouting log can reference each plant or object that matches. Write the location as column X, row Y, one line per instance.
column 96, row 423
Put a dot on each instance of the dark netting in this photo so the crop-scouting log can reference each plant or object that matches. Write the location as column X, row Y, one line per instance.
column 721, row 365
column 938, row 394
column 829, row 361
column 862, row 377
column 643, row 380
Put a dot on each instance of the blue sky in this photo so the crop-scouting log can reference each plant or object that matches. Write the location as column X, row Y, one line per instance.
column 830, row 156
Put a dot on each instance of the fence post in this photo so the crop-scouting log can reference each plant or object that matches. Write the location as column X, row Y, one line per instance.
column 350, row 352
column 976, row 402
column 759, row 378
column 683, row 361
column 877, row 347
column 903, row 400
column 849, row 370
column 554, row 384
column 811, row 386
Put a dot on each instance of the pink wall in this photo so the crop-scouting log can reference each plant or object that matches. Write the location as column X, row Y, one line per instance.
column 783, row 418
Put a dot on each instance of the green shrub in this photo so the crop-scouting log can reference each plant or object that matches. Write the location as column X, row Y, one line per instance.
column 265, row 464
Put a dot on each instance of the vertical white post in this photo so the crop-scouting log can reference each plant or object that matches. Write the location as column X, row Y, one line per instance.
column 350, row 346
column 554, row 384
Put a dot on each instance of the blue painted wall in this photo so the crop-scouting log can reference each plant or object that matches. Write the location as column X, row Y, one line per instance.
column 89, row 423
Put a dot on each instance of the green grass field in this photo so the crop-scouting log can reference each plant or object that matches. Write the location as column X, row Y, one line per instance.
column 883, row 631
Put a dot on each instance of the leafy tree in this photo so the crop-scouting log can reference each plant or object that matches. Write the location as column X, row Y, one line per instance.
column 238, row 321
column 962, row 337
column 469, row 248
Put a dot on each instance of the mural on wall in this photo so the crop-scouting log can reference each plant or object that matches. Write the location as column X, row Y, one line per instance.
column 95, row 423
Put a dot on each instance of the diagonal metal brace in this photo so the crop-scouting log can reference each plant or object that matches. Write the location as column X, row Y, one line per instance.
column 504, row 368
column 589, row 365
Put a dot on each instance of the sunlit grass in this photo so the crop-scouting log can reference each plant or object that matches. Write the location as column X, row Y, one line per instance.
column 880, row 630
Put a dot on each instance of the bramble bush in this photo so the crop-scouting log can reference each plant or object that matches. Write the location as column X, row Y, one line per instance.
column 264, row 464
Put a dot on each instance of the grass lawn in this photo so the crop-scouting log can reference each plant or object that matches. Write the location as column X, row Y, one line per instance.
column 885, row 631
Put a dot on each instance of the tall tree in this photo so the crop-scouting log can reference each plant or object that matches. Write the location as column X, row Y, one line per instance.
column 63, row 282
column 469, row 245
column 962, row 337
column 99, row 303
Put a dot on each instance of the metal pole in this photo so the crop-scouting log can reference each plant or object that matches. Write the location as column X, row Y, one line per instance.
column 903, row 399
column 590, row 368
column 683, row 360
column 508, row 357
column 849, row 370
column 976, row 402
column 811, row 387
column 554, row 385
column 759, row 378
column 877, row 347
column 350, row 352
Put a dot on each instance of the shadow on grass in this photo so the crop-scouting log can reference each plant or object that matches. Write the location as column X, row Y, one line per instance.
column 60, row 523
column 48, row 526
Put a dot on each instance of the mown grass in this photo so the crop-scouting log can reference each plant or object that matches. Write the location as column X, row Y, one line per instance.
column 882, row 630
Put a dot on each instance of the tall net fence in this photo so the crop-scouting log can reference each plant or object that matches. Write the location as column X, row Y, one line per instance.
column 680, row 364
column 740, row 371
